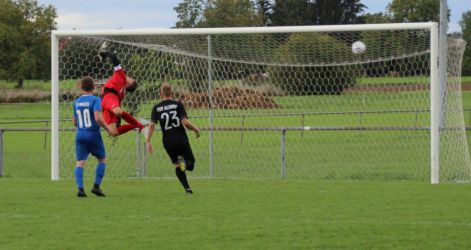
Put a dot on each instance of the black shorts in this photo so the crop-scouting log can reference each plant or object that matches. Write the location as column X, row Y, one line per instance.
column 183, row 149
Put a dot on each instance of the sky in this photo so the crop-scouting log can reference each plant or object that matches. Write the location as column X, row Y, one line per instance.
column 132, row 14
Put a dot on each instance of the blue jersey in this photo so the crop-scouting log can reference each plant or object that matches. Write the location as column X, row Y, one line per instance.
column 88, row 139
column 84, row 113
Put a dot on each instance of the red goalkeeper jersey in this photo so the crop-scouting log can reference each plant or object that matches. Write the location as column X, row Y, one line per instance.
column 117, row 82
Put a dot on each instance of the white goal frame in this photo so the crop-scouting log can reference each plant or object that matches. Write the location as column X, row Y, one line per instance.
column 435, row 103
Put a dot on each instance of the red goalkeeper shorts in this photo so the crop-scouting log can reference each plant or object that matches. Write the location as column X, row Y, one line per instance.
column 108, row 103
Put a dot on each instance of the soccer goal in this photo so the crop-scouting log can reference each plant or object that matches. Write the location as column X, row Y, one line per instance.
column 321, row 102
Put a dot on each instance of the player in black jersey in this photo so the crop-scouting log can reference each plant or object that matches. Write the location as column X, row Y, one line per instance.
column 172, row 118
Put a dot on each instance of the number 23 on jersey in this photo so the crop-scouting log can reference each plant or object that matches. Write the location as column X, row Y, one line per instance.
column 170, row 121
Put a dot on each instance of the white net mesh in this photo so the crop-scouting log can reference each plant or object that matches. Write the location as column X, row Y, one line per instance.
column 343, row 115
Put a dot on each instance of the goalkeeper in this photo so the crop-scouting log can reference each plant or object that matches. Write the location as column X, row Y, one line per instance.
column 112, row 95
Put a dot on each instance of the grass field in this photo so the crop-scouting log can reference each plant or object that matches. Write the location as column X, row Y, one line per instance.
column 394, row 155
column 46, row 85
column 235, row 214
column 349, row 203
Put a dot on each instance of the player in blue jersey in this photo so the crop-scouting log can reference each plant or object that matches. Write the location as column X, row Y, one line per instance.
column 88, row 120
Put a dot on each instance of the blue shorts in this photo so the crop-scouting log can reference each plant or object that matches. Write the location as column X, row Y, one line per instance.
column 89, row 143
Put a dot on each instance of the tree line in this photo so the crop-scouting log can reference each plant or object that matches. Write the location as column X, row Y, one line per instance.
column 25, row 35
column 26, row 25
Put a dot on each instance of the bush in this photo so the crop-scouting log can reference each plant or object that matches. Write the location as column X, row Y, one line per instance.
column 325, row 77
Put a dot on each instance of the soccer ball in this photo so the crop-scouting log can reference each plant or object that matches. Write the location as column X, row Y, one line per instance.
column 358, row 47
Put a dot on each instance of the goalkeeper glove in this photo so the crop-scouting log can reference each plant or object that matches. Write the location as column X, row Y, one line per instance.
column 106, row 54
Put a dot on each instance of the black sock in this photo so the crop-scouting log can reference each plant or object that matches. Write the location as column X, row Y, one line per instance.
column 96, row 186
column 182, row 178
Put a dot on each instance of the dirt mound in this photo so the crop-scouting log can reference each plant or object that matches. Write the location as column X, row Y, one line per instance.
column 19, row 96
column 229, row 97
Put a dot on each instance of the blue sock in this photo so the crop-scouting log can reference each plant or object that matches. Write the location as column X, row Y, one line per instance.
column 79, row 177
column 100, row 173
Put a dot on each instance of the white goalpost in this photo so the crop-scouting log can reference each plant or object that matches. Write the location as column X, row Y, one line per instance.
column 291, row 96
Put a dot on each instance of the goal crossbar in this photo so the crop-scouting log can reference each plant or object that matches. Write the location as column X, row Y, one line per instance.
column 248, row 30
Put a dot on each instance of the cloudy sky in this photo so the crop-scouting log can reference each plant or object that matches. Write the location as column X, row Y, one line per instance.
column 127, row 14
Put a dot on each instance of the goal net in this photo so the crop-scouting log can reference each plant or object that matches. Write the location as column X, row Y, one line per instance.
column 279, row 102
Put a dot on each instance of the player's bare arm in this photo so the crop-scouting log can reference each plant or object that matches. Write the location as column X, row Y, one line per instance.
column 101, row 122
column 117, row 111
column 192, row 127
column 114, row 129
column 150, row 132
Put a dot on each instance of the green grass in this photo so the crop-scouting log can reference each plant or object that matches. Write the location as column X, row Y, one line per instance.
column 344, row 190
column 393, row 80
column 36, row 84
column 392, row 155
column 402, row 80
column 24, row 111
column 235, row 214
column 46, row 85
column 466, row 79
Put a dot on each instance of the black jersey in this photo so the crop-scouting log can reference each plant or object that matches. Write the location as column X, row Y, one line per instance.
column 169, row 114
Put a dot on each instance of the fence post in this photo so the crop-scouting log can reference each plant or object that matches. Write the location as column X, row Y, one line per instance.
column 1, row 152
column 283, row 153
column 144, row 163
column 416, row 118
column 138, row 154
column 242, row 131
column 210, row 108
column 45, row 135
column 361, row 119
column 302, row 125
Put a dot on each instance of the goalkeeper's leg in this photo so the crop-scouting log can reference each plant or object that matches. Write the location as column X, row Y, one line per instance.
column 129, row 119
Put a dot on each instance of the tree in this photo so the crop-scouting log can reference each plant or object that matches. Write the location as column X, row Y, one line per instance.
column 338, row 11
column 415, row 11
column 308, row 12
column 292, row 12
column 319, row 79
column 25, row 28
column 379, row 17
column 231, row 13
column 190, row 13
column 264, row 9
column 465, row 23
column 221, row 13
